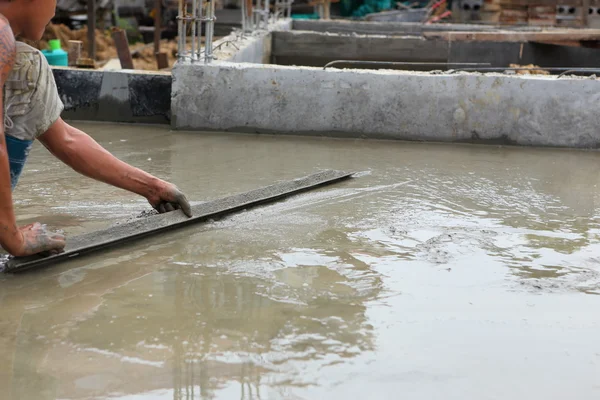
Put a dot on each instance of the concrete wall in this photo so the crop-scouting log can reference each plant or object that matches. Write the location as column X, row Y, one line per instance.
column 391, row 28
column 254, row 48
column 116, row 96
column 316, row 49
column 541, row 111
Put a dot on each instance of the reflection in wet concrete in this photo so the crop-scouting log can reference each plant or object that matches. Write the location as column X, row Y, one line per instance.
column 440, row 272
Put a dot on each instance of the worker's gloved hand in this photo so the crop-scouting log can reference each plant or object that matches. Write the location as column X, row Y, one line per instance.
column 38, row 240
column 167, row 197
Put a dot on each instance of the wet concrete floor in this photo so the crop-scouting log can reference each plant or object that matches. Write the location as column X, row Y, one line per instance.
column 440, row 272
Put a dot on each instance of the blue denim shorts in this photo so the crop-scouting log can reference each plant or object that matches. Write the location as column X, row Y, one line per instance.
column 18, row 150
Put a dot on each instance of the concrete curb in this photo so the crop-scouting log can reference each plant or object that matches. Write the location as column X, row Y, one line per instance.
column 115, row 96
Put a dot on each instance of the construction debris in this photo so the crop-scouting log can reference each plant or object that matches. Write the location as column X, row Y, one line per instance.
column 532, row 69
column 142, row 54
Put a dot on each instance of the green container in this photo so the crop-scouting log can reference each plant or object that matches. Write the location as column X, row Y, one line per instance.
column 305, row 16
column 55, row 55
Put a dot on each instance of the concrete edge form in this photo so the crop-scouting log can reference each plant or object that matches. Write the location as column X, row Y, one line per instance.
column 250, row 48
column 114, row 96
column 462, row 107
column 153, row 224
column 393, row 28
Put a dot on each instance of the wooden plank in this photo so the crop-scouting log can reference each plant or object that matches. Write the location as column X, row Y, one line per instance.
column 123, row 50
column 157, row 26
column 91, row 25
column 128, row 232
column 508, row 36
column 162, row 60
column 369, row 48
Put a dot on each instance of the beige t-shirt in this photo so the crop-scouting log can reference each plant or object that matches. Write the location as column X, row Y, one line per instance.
column 31, row 100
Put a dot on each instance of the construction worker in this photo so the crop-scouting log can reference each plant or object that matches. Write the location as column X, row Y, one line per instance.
column 31, row 110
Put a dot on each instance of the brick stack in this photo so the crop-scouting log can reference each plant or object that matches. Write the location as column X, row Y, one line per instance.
column 490, row 11
column 514, row 12
column 541, row 15
column 560, row 13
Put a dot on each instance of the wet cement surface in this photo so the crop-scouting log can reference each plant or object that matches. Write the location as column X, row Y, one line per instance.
column 441, row 272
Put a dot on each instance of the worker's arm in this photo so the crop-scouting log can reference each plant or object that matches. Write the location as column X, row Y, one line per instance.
column 82, row 153
column 33, row 238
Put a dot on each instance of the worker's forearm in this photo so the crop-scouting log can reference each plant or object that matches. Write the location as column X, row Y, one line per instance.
column 10, row 236
column 86, row 156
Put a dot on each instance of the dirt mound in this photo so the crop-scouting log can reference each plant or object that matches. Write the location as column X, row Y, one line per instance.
column 143, row 54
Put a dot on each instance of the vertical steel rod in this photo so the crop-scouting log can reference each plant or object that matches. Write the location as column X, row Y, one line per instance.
column 266, row 14
column 210, row 26
column 243, row 16
column 194, row 26
column 200, row 12
column 180, row 31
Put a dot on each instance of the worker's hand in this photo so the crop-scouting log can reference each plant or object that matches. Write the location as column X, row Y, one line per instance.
column 167, row 197
column 38, row 240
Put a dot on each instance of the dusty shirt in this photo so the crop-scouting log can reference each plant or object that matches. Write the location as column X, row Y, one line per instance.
column 31, row 100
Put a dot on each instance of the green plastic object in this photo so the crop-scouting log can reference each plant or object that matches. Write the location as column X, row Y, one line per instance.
column 372, row 6
column 55, row 55
column 305, row 16
column 54, row 44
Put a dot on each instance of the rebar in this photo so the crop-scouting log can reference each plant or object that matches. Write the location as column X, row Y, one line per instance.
column 194, row 26
column 399, row 63
column 180, row 31
column 256, row 15
column 210, row 27
column 244, row 23
column 564, row 70
column 198, row 24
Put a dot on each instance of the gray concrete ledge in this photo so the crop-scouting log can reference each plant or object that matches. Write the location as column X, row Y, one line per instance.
column 492, row 108
column 392, row 28
column 252, row 48
column 115, row 96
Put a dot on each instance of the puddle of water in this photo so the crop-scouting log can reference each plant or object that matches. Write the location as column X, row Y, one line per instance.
column 439, row 272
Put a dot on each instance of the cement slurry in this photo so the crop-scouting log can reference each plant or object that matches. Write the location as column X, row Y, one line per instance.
column 440, row 272
column 154, row 224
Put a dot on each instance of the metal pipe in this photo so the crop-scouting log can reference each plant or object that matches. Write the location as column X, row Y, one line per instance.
column 397, row 63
